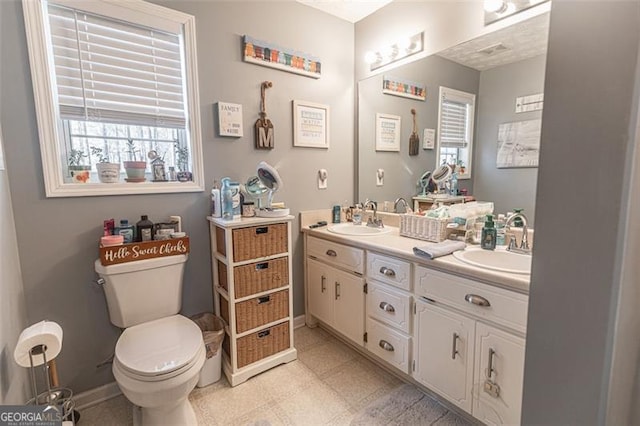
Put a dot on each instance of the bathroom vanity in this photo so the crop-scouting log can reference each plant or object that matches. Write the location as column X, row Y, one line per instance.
column 456, row 329
column 251, row 260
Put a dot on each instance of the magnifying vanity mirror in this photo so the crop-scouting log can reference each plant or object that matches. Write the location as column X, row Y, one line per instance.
column 498, row 69
column 271, row 180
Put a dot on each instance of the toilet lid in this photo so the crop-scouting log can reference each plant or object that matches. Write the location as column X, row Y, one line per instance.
column 159, row 347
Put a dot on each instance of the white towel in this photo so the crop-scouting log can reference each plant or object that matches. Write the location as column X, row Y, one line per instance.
column 439, row 249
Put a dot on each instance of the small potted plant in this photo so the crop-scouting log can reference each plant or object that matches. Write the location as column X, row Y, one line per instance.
column 135, row 168
column 108, row 172
column 182, row 161
column 78, row 170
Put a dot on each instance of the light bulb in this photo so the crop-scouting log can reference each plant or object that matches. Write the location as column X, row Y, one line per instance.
column 370, row 57
column 405, row 43
column 494, row 6
column 509, row 9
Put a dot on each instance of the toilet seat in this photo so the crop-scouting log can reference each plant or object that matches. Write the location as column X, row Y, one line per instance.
column 159, row 349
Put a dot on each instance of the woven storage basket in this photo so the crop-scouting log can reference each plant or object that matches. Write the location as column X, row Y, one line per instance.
column 260, row 276
column 261, row 310
column 423, row 228
column 263, row 343
column 259, row 241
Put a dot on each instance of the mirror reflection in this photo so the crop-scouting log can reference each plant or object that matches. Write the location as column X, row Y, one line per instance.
column 496, row 160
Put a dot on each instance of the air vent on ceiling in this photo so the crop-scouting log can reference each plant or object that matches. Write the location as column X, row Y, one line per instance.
column 493, row 49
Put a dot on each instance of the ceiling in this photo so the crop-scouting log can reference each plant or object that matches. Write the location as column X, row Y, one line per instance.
column 520, row 41
column 349, row 10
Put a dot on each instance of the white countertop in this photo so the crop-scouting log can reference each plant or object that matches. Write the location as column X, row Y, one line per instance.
column 394, row 244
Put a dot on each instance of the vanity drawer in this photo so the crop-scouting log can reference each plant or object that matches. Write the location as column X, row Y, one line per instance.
column 388, row 344
column 346, row 257
column 504, row 307
column 389, row 270
column 254, row 242
column 389, row 306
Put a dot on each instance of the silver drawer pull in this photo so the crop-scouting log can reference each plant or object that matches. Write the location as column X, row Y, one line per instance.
column 477, row 300
column 454, row 348
column 387, row 307
column 386, row 345
column 331, row 253
column 388, row 272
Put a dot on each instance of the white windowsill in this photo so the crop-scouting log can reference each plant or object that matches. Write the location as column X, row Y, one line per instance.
column 124, row 188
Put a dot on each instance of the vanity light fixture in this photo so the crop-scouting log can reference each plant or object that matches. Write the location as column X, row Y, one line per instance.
column 494, row 10
column 399, row 50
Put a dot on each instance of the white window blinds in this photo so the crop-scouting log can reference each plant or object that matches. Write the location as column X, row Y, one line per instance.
column 114, row 71
column 454, row 125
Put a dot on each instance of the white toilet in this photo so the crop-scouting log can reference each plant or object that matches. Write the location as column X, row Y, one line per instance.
column 159, row 355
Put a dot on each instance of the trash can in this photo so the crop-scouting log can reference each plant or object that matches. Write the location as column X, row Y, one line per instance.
column 212, row 333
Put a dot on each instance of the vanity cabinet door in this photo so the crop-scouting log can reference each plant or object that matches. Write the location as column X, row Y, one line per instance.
column 349, row 297
column 443, row 352
column 502, row 355
column 320, row 288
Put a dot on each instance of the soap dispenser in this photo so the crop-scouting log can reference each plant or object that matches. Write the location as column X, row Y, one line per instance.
column 489, row 234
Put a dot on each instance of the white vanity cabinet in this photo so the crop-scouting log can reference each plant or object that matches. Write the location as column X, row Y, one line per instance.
column 470, row 344
column 443, row 352
column 335, row 287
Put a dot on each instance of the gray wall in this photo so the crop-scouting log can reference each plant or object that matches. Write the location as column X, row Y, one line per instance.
column 589, row 89
column 13, row 314
column 499, row 87
column 57, row 238
column 402, row 170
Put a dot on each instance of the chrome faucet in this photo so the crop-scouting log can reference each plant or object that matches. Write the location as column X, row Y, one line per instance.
column 373, row 221
column 524, row 244
column 404, row 205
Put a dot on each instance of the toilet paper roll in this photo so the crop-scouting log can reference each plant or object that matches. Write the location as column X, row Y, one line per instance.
column 47, row 333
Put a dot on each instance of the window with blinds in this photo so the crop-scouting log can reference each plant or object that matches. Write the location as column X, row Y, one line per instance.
column 455, row 130
column 120, row 83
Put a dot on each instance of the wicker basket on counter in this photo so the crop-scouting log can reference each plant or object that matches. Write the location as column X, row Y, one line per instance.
column 424, row 228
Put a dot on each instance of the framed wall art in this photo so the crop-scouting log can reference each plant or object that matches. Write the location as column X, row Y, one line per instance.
column 230, row 119
column 310, row 124
column 388, row 132
column 519, row 144
column 403, row 88
column 271, row 55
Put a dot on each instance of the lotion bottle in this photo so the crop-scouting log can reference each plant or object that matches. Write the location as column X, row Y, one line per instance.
column 489, row 234
column 216, row 208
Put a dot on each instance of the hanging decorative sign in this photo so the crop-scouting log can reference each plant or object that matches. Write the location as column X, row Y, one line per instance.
column 112, row 255
column 230, row 119
column 264, row 126
column 282, row 58
column 414, row 139
column 404, row 88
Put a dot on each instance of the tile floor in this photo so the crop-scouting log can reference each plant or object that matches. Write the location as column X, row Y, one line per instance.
column 328, row 385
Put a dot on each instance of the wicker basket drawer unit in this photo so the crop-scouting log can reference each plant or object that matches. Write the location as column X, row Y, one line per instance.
column 263, row 343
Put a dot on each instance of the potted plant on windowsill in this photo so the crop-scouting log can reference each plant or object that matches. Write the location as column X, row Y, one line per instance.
column 182, row 161
column 108, row 172
column 135, row 168
column 77, row 169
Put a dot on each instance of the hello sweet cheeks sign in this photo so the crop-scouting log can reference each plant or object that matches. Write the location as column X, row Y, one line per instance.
column 138, row 251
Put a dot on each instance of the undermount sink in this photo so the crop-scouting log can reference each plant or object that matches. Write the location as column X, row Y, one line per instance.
column 497, row 260
column 361, row 230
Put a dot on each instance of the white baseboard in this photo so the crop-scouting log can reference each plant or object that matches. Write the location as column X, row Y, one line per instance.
column 97, row 395
column 298, row 321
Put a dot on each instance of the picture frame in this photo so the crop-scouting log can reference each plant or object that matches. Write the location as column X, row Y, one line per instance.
column 518, row 144
column 388, row 129
column 285, row 59
column 310, row 124
column 230, row 120
column 404, row 88
column 429, row 139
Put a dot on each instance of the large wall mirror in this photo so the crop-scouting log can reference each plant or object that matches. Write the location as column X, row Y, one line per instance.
column 498, row 68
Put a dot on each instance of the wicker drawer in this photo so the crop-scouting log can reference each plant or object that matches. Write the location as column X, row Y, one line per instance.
column 346, row 257
column 388, row 344
column 259, row 241
column 262, row 310
column 260, row 276
column 262, row 344
column 505, row 307
column 389, row 270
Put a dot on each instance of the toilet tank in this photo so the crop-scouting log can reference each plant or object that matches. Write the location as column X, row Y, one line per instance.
column 143, row 290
